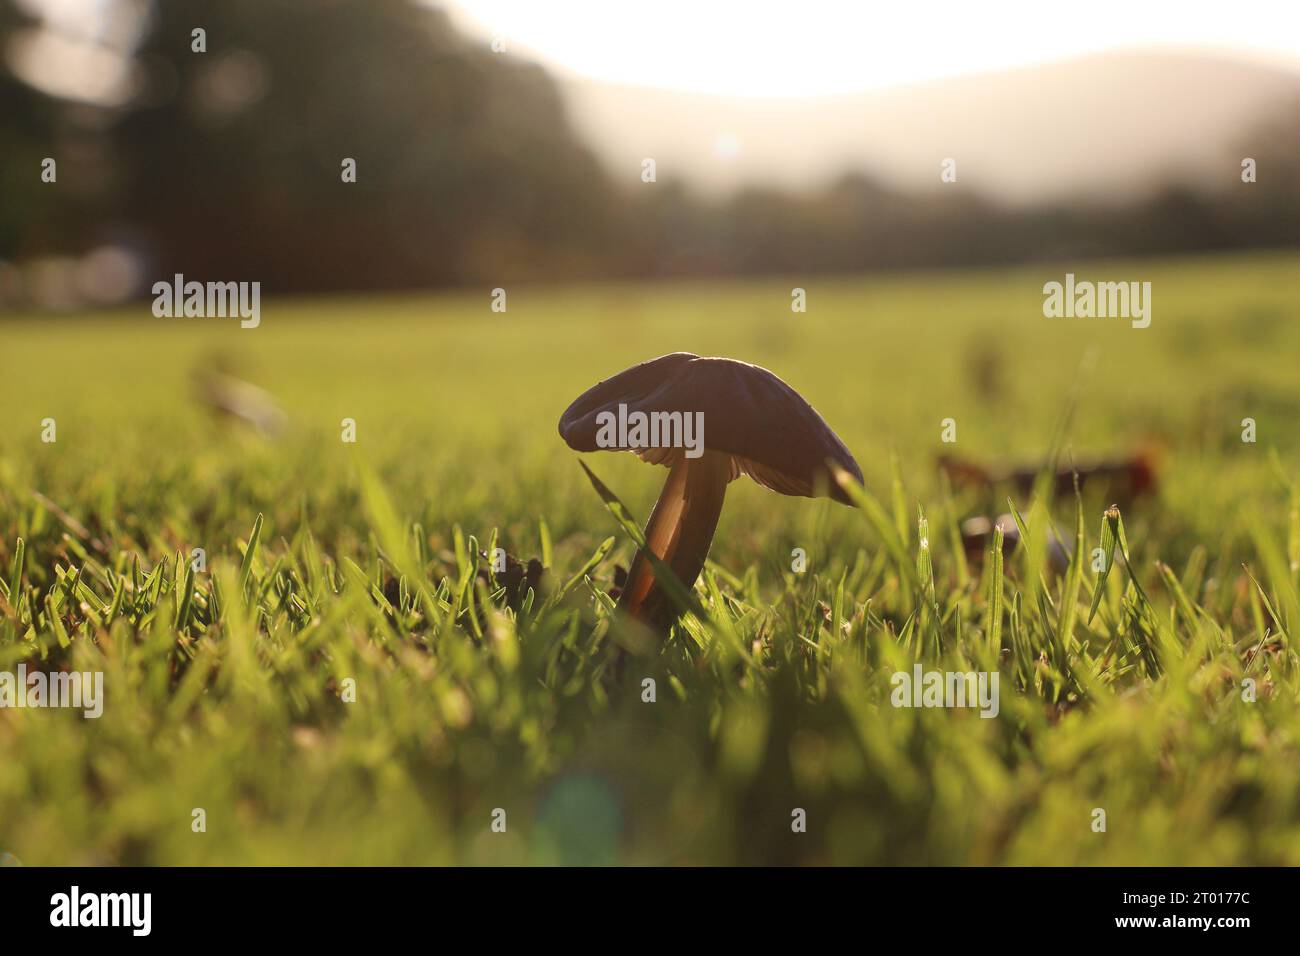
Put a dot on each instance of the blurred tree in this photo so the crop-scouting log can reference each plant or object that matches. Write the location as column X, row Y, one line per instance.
column 27, row 124
column 466, row 167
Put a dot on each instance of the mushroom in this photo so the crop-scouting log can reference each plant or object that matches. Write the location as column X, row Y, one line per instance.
column 732, row 419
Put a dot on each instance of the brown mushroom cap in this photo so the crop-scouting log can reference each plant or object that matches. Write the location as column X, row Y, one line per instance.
column 764, row 425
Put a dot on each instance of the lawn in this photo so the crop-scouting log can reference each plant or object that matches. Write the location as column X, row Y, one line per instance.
column 342, row 682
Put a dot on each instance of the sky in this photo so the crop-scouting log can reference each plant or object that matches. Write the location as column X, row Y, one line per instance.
column 811, row 47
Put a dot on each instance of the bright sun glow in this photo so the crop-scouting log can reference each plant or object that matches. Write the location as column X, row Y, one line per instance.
column 764, row 48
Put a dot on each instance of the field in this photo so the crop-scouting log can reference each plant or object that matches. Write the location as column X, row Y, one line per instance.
column 338, row 687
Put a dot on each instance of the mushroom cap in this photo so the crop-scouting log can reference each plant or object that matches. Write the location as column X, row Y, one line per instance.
column 764, row 425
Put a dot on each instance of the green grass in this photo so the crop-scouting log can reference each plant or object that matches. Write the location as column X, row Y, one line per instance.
column 223, row 687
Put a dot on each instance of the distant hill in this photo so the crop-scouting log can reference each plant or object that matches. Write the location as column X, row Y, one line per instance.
column 1113, row 125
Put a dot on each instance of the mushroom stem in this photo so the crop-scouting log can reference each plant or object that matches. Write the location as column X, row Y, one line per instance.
column 679, row 533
